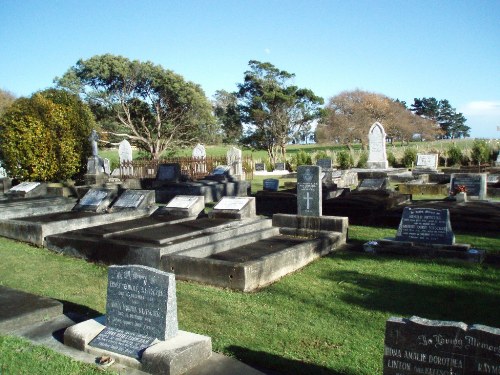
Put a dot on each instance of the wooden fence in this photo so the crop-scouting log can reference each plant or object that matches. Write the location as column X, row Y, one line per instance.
column 193, row 168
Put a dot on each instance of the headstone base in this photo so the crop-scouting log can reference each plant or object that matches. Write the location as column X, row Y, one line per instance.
column 171, row 357
column 96, row 179
column 377, row 164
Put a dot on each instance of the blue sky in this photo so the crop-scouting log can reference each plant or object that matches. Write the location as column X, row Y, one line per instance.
column 402, row 49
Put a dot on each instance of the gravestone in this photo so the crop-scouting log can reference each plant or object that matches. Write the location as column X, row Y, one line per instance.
column 377, row 157
column 260, row 167
column 234, row 161
column 425, row 225
column 234, row 208
column 200, row 154
column 169, row 172
column 373, row 184
column 309, row 197
column 125, row 155
column 185, row 205
column 27, row 190
column 419, row 346
column 98, row 169
column 134, row 200
column 141, row 306
column 475, row 184
column 3, row 172
column 324, row 163
column 279, row 167
column 271, row 184
column 96, row 200
column 427, row 161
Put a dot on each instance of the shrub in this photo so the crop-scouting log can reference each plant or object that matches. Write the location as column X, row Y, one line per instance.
column 300, row 158
column 454, row 155
column 363, row 160
column 391, row 159
column 409, row 157
column 345, row 160
column 480, row 152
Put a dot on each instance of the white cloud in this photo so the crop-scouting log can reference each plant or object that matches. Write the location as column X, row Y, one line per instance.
column 267, row 51
column 482, row 108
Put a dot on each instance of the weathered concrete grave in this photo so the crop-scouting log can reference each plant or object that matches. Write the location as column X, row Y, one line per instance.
column 234, row 208
column 425, row 232
column 309, row 196
column 475, row 184
column 141, row 327
column 185, row 205
column 88, row 212
column 27, row 189
column 418, row 346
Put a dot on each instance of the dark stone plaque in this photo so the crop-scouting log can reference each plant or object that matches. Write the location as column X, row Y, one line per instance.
column 130, row 199
column 95, row 198
column 168, row 172
column 373, row 184
column 421, row 346
column 324, row 163
column 260, row 167
column 141, row 306
column 475, row 183
column 425, row 225
column 309, row 200
column 279, row 166
column 271, row 184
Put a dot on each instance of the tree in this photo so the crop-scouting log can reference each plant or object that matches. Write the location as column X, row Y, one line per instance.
column 45, row 137
column 6, row 99
column 451, row 123
column 274, row 108
column 228, row 114
column 153, row 107
column 349, row 115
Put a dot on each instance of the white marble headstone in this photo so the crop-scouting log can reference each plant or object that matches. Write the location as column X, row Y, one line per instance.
column 199, row 151
column 125, row 154
column 234, row 160
column 429, row 161
column 377, row 157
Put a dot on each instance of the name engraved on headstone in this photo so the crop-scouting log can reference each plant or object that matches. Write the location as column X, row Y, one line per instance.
column 309, row 200
column 25, row 186
column 141, row 306
column 93, row 197
column 182, row 201
column 228, row 203
column 373, row 184
column 475, row 183
column 427, row 161
column 279, row 166
column 271, row 184
column 129, row 199
column 421, row 346
column 425, row 225
column 260, row 166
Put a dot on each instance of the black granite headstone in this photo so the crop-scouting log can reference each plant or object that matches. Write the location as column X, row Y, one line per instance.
column 279, row 166
column 271, row 184
column 260, row 167
column 425, row 225
column 475, row 183
column 373, row 184
column 141, row 307
column 170, row 172
column 418, row 346
column 324, row 163
column 95, row 200
column 309, row 200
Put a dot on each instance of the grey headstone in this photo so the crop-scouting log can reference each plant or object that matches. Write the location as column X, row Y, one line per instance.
column 373, row 184
column 324, row 163
column 125, row 151
column 427, row 161
column 134, row 199
column 279, row 166
column 185, row 205
column 234, row 207
column 425, row 225
column 93, row 138
column 418, row 346
column 96, row 200
column 271, row 184
column 170, row 172
column 141, row 306
column 309, row 199
column 199, row 151
column 234, row 161
column 377, row 156
column 260, row 167
column 475, row 183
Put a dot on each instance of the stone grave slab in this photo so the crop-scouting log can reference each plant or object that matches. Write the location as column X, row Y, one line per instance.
column 96, row 200
column 234, row 208
column 133, row 200
column 186, row 205
column 12, row 208
column 271, row 184
column 475, row 183
column 377, row 156
column 418, row 346
column 19, row 309
column 27, row 189
column 309, row 196
column 141, row 324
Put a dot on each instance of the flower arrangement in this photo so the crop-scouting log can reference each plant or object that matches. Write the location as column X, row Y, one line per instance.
column 458, row 189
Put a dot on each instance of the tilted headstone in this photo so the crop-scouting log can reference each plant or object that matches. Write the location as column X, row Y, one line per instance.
column 125, row 155
column 373, row 184
column 28, row 190
column 427, row 161
column 271, row 184
column 234, row 207
column 185, row 205
column 134, row 200
column 96, row 200
column 426, row 226
column 235, row 161
column 170, row 172
column 475, row 184
column 377, row 156
column 325, row 163
column 141, row 306
column 260, row 167
column 419, row 346
column 309, row 197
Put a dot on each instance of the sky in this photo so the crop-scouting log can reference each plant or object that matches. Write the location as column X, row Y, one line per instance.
column 402, row 49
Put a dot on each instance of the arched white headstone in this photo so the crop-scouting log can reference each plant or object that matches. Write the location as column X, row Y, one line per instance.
column 125, row 154
column 377, row 157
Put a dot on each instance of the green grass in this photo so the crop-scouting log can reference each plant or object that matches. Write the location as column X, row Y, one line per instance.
column 327, row 318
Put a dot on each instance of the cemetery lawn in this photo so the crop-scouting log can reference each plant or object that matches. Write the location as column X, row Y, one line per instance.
column 328, row 318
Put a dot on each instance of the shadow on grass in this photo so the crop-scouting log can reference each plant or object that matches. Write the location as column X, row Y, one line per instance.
column 74, row 309
column 280, row 365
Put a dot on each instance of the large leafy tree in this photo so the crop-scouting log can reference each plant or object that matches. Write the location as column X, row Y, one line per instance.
column 275, row 109
column 228, row 115
column 153, row 107
column 349, row 115
column 6, row 99
column 45, row 137
column 451, row 123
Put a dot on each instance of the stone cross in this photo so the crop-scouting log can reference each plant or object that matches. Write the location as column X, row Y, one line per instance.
column 93, row 138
